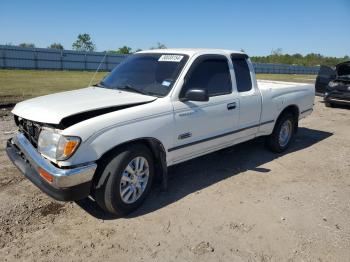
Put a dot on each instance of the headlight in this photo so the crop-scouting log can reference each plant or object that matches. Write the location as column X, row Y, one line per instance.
column 332, row 84
column 47, row 143
column 55, row 146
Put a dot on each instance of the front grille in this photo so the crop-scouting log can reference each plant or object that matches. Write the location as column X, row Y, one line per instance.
column 341, row 86
column 30, row 129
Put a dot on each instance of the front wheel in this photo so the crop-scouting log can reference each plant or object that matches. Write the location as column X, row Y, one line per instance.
column 328, row 104
column 125, row 180
column 282, row 134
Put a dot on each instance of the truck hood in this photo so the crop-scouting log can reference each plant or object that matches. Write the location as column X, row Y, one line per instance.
column 53, row 108
column 343, row 69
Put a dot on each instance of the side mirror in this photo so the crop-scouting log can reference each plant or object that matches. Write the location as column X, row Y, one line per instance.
column 200, row 95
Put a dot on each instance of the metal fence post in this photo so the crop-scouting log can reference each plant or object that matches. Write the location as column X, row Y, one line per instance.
column 3, row 58
column 61, row 60
column 35, row 59
column 107, row 67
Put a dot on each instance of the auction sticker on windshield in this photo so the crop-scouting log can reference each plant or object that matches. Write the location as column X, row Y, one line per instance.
column 170, row 58
column 166, row 83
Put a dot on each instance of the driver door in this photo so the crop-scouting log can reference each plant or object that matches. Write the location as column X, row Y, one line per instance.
column 202, row 126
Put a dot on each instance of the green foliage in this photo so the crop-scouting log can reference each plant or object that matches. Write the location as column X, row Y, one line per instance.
column 159, row 46
column 30, row 45
column 124, row 50
column 110, row 51
column 276, row 52
column 311, row 59
column 84, row 43
column 56, row 46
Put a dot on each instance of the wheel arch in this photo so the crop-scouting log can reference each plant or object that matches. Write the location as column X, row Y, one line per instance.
column 154, row 145
column 294, row 110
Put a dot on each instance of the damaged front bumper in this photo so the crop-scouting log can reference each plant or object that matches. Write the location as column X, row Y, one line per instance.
column 67, row 184
column 338, row 97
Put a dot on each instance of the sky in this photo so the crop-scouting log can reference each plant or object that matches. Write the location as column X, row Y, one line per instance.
column 257, row 27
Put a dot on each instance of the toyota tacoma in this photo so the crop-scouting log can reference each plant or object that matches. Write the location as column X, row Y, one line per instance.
column 156, row 109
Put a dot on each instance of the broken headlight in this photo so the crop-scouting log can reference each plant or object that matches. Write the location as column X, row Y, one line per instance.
column 332, row 84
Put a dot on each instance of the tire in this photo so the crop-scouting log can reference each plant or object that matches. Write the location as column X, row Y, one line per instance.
column 109, row 190
column 328, row 104
column 274, row 141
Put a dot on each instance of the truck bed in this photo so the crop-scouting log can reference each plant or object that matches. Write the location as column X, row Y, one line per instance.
column 264, row 84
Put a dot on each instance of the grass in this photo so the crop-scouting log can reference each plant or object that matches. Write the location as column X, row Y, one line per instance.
column 288, row 78
column 17, row 85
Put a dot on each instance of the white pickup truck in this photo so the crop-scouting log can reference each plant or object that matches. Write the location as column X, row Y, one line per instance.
column 156, row 109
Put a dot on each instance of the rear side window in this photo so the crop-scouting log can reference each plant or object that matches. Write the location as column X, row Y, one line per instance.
column 326, row 71
column 242, row 73
column 212, row 75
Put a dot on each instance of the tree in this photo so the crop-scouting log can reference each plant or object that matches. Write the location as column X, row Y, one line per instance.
column 30, row 45
column 276, row 52
column 84, row 43
column 110, row 51
column 311, row 59
column 138, row 50
column 159, row 46
column 297, row 55
column 124, row 50
column 56, row 46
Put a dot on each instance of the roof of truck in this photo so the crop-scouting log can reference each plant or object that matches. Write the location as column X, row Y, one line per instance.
column 191, row 51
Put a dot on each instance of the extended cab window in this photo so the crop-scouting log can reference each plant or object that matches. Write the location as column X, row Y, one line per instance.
column 242, row 73
column 210, row 74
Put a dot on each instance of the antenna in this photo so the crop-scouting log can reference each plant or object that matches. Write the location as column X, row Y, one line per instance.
column 98, row 68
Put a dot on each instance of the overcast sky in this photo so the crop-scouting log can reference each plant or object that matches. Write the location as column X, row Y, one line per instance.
column 296, row 26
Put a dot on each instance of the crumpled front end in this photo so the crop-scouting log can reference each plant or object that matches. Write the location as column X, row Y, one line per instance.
column 338, row 92
column 66, row 184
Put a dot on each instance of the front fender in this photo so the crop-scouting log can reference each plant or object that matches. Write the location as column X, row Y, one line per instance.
column 102, row 133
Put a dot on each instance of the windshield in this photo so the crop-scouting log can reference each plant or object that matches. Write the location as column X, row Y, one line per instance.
column 149, row 74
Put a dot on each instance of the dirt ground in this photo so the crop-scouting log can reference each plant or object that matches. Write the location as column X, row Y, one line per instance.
column 240, row 204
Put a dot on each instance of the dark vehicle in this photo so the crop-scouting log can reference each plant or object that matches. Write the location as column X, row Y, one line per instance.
column 334, row 84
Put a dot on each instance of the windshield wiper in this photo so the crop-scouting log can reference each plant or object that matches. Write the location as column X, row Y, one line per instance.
column 99, row 85
column 131, row 88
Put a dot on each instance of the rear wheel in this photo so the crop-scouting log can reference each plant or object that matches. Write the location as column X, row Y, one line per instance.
column 125, row 180
column 282, row 134
column 328, row 104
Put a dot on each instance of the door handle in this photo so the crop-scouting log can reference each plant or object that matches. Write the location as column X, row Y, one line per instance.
column 231, row 106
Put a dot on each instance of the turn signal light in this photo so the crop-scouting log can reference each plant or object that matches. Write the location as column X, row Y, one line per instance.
column 70, row 147
column 45, row 175
column 66, row 147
